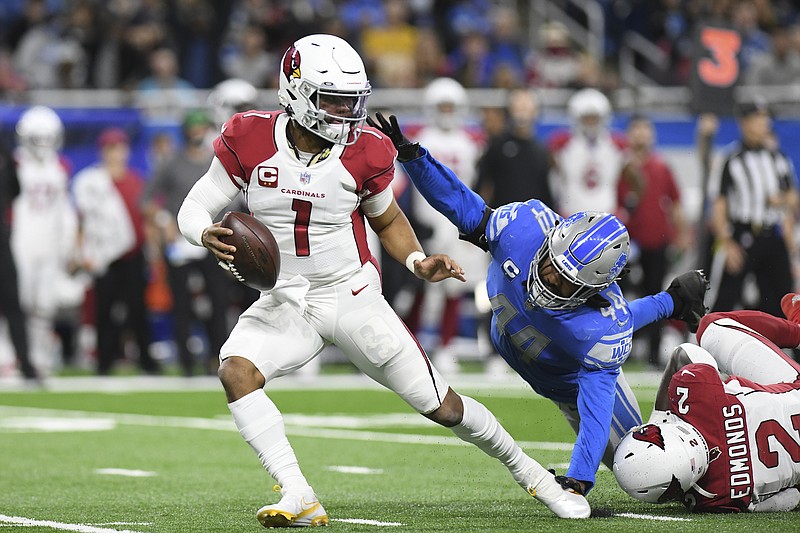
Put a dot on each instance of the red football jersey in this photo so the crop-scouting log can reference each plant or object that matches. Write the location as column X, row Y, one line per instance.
column 752, row 431
column 312, row 210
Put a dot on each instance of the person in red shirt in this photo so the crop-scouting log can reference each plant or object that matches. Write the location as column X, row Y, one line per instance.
column 107, row 196
column 649, row 206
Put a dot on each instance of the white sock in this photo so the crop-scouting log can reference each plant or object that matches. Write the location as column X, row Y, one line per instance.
column 261, row 425
column 480, row 427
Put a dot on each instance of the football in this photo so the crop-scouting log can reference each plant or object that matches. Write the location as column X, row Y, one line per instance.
column 257, row 260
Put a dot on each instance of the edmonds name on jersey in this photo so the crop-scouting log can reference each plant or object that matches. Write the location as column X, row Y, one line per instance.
column 752, row 435
column 312, row 209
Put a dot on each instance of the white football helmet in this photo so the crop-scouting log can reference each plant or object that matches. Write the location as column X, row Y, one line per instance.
column 589, row 249
column 657, row 463
column 324, row 87
column 443, row 91
column 230, row 97
column 588, row 103
column 40, row 131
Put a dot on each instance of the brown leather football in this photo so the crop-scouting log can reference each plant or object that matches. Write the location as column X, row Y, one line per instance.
column 257, row 260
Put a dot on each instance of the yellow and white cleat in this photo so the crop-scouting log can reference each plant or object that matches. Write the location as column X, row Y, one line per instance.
column 564, row 503
column 295, row 509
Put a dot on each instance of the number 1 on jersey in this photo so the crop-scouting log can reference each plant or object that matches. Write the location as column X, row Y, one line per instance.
column 302, row 208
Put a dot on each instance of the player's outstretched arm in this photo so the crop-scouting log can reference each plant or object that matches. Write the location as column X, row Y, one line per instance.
column 438, row 184
column 399, row 240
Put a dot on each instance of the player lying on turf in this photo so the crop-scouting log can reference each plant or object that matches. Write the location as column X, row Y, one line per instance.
column 559, row 318
column 725, row 435
column 312, row 173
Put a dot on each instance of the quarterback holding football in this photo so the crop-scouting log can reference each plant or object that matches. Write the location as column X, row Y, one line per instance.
column 314, row 174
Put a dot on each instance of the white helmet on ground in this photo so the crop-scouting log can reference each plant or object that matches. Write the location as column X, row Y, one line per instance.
column 584, row 106
column 40, row 131
column 325, row 71
column 589, row 249
column 657, row 463
column 230, row 97
column 441, row 92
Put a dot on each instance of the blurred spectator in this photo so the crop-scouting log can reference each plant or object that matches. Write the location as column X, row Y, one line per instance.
column 83, row 29
column 515, row 165
column 752, row 191
column 43, row 233
column 161, row 200
column 507, row 49
column 471, row 61
column 780, row 66
column 556, row 63
column 431, row 59
column 12, row 84
column 197, row 38
column 164, row 91
column 47, row 59
column 10, row 307
column 108, row 196
column 34, row 13
column 650, row 208
column 744, row 17
column 390, row 49
column 136, row 30
column 446, row 137
column 588, row 157
column 250, row 61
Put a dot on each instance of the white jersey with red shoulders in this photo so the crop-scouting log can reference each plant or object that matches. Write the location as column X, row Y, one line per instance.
column 43, row 216
column 588, row 171
column 752, row 431
column 312, row 210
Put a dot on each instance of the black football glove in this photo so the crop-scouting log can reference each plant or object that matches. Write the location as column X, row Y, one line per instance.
column 406, row 150
column 687, row 292
column 569, row 483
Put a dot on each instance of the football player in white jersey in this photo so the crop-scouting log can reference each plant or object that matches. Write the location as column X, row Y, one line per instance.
column 311, row 173
column 448, row 140
column 725, row 432
column 43, row 236
column 588, row 157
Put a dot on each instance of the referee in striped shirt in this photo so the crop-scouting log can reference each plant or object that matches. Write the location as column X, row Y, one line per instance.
column 754, row 195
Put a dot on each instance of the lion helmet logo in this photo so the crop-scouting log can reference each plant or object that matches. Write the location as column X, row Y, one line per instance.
column 651, row 434
column 291, row 63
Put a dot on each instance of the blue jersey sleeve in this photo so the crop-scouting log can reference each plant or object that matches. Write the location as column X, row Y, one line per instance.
column 649, row 309
column 596, row 396
column 445, row 192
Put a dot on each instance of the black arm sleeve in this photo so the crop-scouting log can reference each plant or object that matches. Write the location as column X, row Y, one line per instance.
column 478, row 236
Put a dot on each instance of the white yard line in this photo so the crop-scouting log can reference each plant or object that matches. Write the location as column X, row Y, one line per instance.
column 653, row 517
column 366, row 522
column 354, row 469
column 82, row 528
column 125, row 472
column 291, row 430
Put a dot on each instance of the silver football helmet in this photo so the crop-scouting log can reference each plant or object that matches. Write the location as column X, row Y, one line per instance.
column 657, row 463
column 229, row 97
column 40, row 132
column 589, row 249
column 324, row 71
column 438, row 94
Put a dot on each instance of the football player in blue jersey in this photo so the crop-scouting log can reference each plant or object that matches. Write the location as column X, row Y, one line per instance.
column 559, row 317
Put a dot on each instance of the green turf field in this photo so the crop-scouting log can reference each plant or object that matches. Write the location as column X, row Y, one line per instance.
column 374, row 464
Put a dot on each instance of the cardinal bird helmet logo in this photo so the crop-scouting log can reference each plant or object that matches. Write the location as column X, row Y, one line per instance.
column 650, row 433
column 291, row 63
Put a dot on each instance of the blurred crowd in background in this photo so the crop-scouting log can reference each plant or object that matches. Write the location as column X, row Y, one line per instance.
column 148, row 44
column 97, row 286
